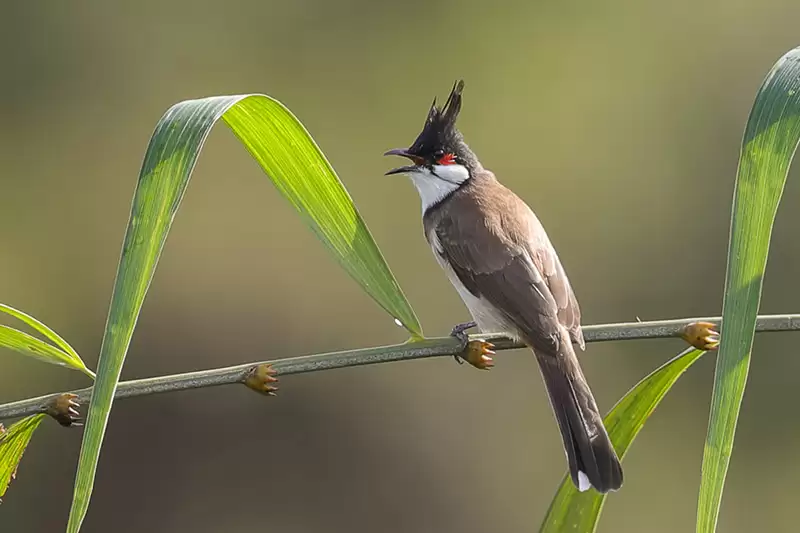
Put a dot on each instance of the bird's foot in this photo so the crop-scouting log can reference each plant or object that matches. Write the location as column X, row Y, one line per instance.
column 459, row 331
column 476, row 352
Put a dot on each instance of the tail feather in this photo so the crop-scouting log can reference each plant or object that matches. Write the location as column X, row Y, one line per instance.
column 590, row 454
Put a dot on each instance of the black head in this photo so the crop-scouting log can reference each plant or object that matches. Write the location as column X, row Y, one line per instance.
column 440, row 142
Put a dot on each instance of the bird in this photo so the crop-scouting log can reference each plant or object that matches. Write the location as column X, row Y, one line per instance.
column 497, row 255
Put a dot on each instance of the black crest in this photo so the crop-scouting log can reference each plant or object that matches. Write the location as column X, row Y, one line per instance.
column 439, row 132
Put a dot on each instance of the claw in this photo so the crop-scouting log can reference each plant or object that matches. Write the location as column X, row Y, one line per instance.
column 260, row 379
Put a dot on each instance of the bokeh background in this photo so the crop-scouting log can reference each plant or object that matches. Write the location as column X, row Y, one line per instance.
column 619, row 122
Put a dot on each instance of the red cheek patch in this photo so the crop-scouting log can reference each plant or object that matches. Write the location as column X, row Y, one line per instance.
column 447, row 159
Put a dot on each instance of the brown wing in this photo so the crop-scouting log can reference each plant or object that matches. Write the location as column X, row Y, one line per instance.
column 569, row 313
column 512, row 265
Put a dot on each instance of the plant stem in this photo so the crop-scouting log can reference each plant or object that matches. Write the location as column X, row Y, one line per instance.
column 435, row 347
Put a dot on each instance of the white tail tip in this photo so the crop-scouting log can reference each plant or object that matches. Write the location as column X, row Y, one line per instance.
column 583, row 482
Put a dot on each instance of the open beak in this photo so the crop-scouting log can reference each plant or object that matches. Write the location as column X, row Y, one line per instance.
column 402, row 152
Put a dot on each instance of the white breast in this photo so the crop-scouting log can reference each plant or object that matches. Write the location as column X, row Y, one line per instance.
column 433, row 186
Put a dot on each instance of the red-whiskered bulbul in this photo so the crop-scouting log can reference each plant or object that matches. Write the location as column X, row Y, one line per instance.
column 500, row 260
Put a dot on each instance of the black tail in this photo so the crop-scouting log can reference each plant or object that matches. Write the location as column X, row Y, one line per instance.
column 589, row 450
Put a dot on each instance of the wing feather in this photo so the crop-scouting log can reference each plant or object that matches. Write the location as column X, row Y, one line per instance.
column 513, row 266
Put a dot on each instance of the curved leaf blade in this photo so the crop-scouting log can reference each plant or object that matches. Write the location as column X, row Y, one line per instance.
column 294, row 163
column 13, row 442
column 300, row 171
column 63, row 355
column 769, row 144
column 579, row 512
column 29, row 345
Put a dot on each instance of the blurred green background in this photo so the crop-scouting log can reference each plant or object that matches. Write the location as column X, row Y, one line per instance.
column 619, row 122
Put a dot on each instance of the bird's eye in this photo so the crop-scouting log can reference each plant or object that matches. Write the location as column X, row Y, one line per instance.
column 437, row 155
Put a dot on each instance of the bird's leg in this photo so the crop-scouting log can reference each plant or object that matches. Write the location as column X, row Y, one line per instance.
column 459, row 331
column 476, row 352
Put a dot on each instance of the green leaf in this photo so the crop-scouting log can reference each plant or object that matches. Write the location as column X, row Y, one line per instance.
column 579, row 512
column 297, row 167
column 769, row 143
column 62, row 354
column 301, row 173
column 12, row 445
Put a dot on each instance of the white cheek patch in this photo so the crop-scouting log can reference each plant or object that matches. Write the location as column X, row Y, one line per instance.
column 453, row 173
column 432, row 188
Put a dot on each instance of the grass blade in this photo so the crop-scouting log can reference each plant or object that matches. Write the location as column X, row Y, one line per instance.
column 769, row 143
column 289, row 156
column 12, row 445
column 299, row 170
column 579, row 512
column 29, row 345
column 61, row 354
